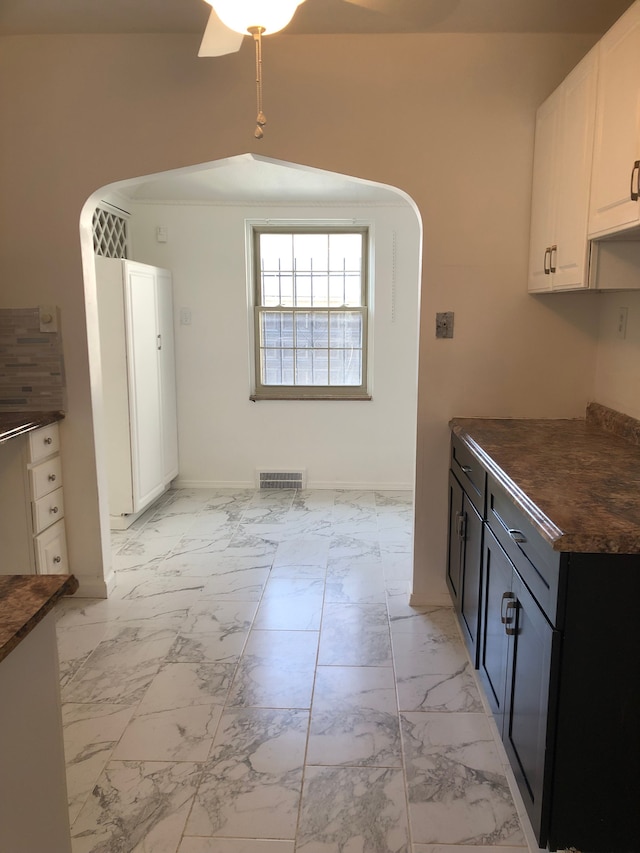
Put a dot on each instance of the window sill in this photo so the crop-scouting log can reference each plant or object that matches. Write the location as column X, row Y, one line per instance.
column 256, row 398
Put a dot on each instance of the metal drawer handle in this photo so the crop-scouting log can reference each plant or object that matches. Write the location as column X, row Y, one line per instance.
column 54, row 509
column 547, row 253
column 506, row 596
column 52, row 478
column 466, row 469
column 517, row 536
column 512, row 607
column 552, row 264
column 48, row 440
column 635, row 171
column 57, row 559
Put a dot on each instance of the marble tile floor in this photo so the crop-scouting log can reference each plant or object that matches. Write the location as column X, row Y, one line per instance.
column 257, row 683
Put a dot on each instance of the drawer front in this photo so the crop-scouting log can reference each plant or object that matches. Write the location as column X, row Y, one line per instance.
column 43, row 442
column 535, row 560
column 470, row 473
column 48, row 510
column 45, row 477
column 51, row 551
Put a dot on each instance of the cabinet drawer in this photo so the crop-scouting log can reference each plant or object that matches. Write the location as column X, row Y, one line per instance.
column 51, row 551
column 43, row 442
column 469, row 472
column 46, row 477
column 535, row 560
column 48, row 510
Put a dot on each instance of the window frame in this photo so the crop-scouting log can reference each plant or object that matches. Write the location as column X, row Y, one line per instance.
column 310, row 392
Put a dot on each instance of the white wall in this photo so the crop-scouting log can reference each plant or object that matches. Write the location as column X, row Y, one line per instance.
column 447, row 118
column 223, row 436
column 617, row 382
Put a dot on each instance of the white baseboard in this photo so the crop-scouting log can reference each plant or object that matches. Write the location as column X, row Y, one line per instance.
column 92, row 587
column 319, row 485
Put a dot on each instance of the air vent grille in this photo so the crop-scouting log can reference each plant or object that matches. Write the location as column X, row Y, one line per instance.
column 109, row 234
column 281, row 479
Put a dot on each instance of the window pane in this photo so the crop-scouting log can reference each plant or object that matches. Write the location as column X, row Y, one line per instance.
column 277, row 329
column 311, row 251
column 346, row 367
column 346, row 330
column 276, row 252
column 345, row 252
column 320, row 290
column 303, row 291
column 277, row 366
column 312, row 367
column 312, row 329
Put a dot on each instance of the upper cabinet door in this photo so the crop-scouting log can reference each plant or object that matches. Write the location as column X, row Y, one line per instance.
column 543, row 193
column 617, row 141
column 561, row 182
column 167, row 369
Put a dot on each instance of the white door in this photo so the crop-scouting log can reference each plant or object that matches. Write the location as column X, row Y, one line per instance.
column 167, row 376
column 543, row 197
column 143, row 344
column 617, row 142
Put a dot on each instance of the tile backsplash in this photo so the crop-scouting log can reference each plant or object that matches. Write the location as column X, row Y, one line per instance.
column 31, row 363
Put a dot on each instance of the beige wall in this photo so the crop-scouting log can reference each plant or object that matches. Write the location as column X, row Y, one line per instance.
column 448, row 119
column 617, row 382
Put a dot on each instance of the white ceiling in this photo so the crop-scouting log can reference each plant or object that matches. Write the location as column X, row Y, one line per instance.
column 316, row 16
column 249, row 179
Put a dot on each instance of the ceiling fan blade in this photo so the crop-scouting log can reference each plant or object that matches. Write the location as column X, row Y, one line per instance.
column 219, row 40
column 384, row 6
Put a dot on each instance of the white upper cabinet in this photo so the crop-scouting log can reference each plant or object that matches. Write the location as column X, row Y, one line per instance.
column 558, row 257
column 616, row 165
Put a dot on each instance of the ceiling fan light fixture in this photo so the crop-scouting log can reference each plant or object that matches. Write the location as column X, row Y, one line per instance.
column 244, row 15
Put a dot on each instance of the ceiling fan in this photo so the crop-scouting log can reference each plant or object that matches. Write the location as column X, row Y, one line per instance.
column 231, row 20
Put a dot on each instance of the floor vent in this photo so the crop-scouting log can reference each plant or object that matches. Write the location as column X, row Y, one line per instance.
column 281, row 479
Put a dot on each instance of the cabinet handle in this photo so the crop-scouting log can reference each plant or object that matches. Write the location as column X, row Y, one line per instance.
column 159, row 341
column 57, row 559
column 461, row 525
column 517, row 535
column 48, row 440
column 54, row 509
column 552, row 251
column 52, row 478
column 506, row 596
column 547, row 254
column 466, row 469
column 512, row 608
column 635, row 173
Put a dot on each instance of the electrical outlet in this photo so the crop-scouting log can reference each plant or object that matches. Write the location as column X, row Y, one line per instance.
column 185, row 316
column 621, row 323
column 444, row 324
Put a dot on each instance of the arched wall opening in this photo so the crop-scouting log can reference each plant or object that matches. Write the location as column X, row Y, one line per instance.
column 224, row 437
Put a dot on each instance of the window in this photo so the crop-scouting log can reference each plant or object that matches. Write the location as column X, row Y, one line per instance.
column 310, row 313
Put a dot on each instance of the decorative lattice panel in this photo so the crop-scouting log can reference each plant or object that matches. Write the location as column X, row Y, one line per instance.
column 109, row 234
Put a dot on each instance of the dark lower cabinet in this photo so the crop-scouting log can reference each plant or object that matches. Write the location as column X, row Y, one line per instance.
column 464, row 562
column 556, row 640
column 516, row 649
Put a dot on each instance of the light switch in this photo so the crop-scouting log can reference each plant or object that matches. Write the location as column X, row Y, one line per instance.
column 162, row 234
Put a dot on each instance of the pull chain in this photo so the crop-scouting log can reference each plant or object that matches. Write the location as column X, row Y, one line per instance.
column 261, row 120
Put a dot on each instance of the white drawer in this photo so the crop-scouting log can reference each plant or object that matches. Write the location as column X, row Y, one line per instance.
column 48, row 510
column 45, row 477
column 43, row 442
column 51, row 551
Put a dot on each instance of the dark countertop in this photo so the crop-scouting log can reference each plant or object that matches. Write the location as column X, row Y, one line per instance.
column 13, row 424
column 24, row 601
column 577, row 480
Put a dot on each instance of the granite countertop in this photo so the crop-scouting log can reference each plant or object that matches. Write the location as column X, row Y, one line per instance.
column 13, row 424
column 24, row 601
column 577, row 480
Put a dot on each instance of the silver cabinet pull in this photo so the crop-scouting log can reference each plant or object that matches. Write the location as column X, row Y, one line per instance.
column 466, row 469
column 508, row 597
column 54, row 509
column 512, row 608
column 635, row 173
column 48, row 440
column 517, row 536
column 552, row 265
column 52, row 478
column 159, row 337
column 461, row 525
column 547, row 254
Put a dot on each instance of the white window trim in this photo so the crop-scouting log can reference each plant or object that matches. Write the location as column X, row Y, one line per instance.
column 308, row 392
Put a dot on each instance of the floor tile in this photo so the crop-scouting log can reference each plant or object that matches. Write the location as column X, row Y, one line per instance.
column 291, row 604
column 236, row 845
column 276, row 671
column 251, row 785
column 354, row 718
column 353, row 808
column 301, row 558
column 137, row 807
column 458, row 793
column 361, row 584
column 355, row 635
